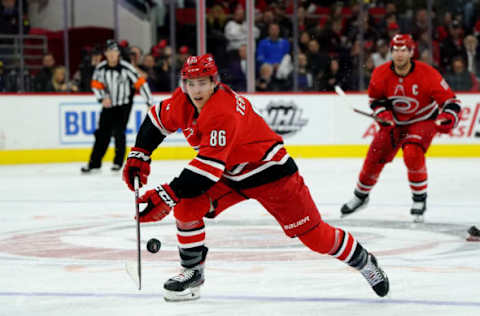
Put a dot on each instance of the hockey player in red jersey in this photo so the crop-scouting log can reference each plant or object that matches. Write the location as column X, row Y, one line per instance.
column 413, row 102
column 238, row 158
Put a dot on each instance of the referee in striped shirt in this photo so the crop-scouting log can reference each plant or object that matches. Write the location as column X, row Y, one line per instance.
column 114, row 83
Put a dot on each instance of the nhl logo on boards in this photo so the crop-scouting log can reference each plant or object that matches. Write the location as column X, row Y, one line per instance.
column 285, row 118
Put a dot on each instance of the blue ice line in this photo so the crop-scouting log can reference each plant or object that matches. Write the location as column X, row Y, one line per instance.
column 251, row 298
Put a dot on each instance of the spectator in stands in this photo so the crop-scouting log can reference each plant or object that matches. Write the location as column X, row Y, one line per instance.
column 452, row 46
column 426, row 57
column 44, row 76
column 236, row 32
column 216, row 40
column 318, row 60
column 83, row 76
column 392, row 30
column 136, row 57
column 148, row 67
column 304, row 76
column 266, row 80
column 2, row 78
column 303, row 42
column 59, row 82
column 183, row 54
column 272, row 49
column 367, row 73
column 263, row 25
column 332, row 77
column 421, row 23
column 237, row 69
column 459, row 79
column 472, row 56
column 163, row 70
column 382, row 55
column 9, row 17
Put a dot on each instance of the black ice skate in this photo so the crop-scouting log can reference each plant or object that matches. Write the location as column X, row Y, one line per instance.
column 375, row 276
column 89, row 170
column 474, row 234
column 185, row 286
column 357, row 203
column 419, row 207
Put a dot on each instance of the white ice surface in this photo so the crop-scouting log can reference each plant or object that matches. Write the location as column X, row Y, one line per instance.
column 65, row 238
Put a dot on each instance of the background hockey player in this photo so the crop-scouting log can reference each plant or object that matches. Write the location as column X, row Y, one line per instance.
column 238, row 157
column 414, row 102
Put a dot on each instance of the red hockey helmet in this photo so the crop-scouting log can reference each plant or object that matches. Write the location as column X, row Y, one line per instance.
column 199, row 66
column 401, row 40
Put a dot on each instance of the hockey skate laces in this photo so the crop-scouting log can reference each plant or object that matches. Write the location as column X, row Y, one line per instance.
column 184, row 275
column 372, row 274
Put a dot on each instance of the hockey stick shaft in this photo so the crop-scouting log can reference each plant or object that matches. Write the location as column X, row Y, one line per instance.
column 342, row 94
column 136, row 184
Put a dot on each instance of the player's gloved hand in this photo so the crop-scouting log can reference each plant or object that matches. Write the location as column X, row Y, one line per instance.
column 138, row 164
column 160, row 201
column 445, row 122
column 385, row 118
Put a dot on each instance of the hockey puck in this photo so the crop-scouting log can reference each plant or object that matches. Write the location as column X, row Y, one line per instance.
column 153, row 245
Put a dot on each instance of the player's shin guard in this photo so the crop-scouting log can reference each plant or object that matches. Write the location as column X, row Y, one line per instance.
column 414, row 159
column 186, row 285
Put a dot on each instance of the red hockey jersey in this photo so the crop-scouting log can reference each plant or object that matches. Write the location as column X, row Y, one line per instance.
column 232, row 140
column 414, row 97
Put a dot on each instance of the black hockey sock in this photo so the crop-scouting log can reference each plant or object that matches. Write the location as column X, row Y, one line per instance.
column 419, row 197
column 359, row 258
column 191, row 257
column 361, row 196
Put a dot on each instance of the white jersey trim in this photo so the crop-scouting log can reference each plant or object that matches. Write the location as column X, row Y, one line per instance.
column 257, row 170
column 202, row 173
column 158, row 124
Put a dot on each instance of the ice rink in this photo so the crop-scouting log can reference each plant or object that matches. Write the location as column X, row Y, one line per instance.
column 65, row 239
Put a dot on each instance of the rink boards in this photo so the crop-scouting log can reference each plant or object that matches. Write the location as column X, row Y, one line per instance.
column 59, row 128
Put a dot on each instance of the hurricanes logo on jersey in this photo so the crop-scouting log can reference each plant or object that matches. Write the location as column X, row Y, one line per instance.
column 403, row 104
column 285, row 118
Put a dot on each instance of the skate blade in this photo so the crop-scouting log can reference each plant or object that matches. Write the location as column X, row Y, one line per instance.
column 418, row 219
column 473, row 238
column 186, row 295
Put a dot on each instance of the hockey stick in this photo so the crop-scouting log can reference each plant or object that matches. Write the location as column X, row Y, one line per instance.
column 136, row 277
column 342, row 94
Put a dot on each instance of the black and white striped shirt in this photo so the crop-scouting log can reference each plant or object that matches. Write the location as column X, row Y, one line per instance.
column 119, row 83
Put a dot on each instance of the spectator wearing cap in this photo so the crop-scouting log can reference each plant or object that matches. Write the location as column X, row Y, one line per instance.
column 43, row 77
column 272, row 49
column 382, row 55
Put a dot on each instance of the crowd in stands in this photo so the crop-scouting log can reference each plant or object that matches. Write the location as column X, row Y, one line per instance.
column 330, row 49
